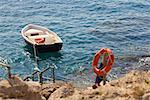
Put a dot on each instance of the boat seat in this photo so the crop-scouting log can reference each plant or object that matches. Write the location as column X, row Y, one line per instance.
column 48, row 38
column 33, row 32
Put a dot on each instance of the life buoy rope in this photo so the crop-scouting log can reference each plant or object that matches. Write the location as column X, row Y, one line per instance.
column 109, row 59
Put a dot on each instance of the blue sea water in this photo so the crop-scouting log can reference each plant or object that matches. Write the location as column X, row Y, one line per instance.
column 85, row 26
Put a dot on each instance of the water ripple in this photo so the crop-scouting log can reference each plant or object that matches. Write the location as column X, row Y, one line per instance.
column 85, row 27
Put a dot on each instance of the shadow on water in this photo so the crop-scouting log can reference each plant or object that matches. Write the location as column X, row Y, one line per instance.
column 43, row 55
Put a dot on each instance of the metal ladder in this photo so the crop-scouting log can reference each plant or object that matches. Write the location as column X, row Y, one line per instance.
column 31, row 76
column 40, row 74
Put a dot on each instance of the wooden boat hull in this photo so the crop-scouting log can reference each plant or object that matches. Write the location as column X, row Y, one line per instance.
column 46, row 48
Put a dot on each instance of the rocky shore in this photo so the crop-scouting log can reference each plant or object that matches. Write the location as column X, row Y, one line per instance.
column 133, row 86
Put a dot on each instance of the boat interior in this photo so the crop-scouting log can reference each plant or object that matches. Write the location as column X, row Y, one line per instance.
column 40, row 37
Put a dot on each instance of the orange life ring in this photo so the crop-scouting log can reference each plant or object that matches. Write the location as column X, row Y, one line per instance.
column 40, row 40
column 108, row 66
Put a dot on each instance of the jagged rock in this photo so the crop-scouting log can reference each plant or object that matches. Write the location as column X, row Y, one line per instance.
column 133, row 86
column 16, row 88
column 48, row 89
column 130, row 87
column 62, row 92
column 12, row 89
column 33, row 86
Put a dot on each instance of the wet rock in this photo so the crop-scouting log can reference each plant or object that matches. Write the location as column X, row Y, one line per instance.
column 144, row 64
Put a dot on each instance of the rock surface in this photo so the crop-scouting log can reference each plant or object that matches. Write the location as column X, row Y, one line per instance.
column 133, row 86
column 18, row 89
column 63, row 92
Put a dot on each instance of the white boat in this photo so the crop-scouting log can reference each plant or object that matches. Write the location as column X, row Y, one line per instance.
column 42, row 38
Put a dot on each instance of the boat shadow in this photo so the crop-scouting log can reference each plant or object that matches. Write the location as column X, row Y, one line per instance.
column 43, row 55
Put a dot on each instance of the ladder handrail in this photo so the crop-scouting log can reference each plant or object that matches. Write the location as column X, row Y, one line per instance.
column 4, row 65
column 35, row 57
column 44, row 70
column 8, row 68
column 31, row 76
column 40, row 74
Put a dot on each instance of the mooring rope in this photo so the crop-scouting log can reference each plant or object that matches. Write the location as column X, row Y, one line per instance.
column 36, row 59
